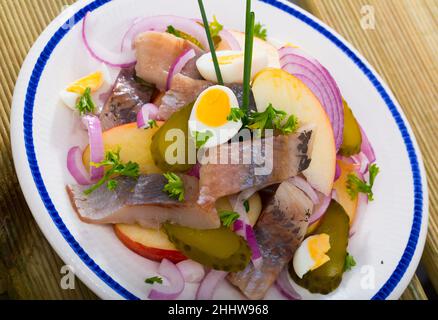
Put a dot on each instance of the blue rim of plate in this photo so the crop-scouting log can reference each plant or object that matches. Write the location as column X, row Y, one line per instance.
column 409, row 251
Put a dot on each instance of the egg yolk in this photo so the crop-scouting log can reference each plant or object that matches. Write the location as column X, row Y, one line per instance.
column 318, row 247
column 229, row 59
column 93, row 81
column 213, row 108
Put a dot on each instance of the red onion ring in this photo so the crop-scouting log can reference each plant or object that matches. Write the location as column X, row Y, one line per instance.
column 367, row 148
column 76, row 167
column 209, row 284
column 148, row 112
column 126, row 60
column 230, row 40
column 338, row 171
column 285, row 287
column 195, row 170
column 256, row 256
column 192, row 271
column 320, row 209
column 320, row 82
column 176, row 282
column 304, row 186
column 179, row 64
column 160, row 24
column 97, row 150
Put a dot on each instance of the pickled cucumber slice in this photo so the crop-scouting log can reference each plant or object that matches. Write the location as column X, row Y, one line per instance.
column 179, row 120
column 352, row 136
column 327, row 278
column 220, row 249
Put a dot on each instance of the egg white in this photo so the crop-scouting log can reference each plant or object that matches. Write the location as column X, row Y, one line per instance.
column 232, row 72
column 220, row 134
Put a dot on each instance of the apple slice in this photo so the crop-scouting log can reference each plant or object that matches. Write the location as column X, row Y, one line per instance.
column 340, row 185
column 149, row 243
column 134, row 144
column 259, row 46
column 288, row 93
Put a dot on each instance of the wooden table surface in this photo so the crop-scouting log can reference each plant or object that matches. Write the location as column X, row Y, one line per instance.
column 403, row 47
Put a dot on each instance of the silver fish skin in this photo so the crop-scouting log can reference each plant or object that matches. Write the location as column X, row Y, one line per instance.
column 156, row 53
column 144, row 202
column 125, row 101
column 279, row 232
column 291, row 155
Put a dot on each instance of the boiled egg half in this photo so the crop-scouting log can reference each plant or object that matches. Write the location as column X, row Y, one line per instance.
column 99, row 80
column 209, row 116
column 231, row 64
column 311, row 254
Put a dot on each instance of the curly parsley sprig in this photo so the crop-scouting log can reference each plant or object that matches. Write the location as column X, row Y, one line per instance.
column 85, row 103
column 228, row 217
column 356, row 185
column 174, row 187
column 114, row 167
column 271, row 118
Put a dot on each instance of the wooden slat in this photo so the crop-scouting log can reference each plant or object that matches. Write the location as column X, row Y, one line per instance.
column 403, row 48
column 414, row 291
column 29, row 268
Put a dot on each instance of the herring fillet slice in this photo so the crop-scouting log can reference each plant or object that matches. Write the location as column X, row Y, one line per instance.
column 280, row 230
column 142, row 201
column 290, row 157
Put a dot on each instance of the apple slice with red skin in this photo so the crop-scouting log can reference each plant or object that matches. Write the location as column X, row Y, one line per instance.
column 148, row 243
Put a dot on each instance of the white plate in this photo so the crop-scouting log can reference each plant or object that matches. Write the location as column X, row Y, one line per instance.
column 391, row 236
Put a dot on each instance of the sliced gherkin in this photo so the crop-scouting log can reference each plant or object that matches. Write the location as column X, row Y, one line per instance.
column 220, row 249
column 327, row 278
column 160, row 141
column 352, row 135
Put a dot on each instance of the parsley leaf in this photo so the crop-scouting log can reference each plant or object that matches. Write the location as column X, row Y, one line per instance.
column 246, row 205
column 228, row 217
column 236, row 114
column 356, row 185
column 85, row 103
column 349, row 262
column 115, row 167
column 201, row 138
column 112, row 185
column 215, row 27
column 260, row 31
column 153, row 280
column 272, row 118
column 174, row 186
column 152, row 124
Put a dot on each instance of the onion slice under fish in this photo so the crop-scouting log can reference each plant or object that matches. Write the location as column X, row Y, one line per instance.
column 321, row 208
column 148, row 112
column 209, row 284
column 101, row 54
column 179, row 64
column 175, row 284
column 285, row 287
column 160, row 24
column 304, row 186
column 320, row 82
column 230, row 40
column 242, row 226
column 192, row 271
column 97, row 151
column 76, row 167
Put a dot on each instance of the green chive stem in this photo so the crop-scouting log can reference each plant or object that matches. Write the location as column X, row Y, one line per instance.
column 211, row 44
column 249, row 44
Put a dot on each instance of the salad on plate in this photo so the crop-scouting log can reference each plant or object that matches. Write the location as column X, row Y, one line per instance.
column 220, row 154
